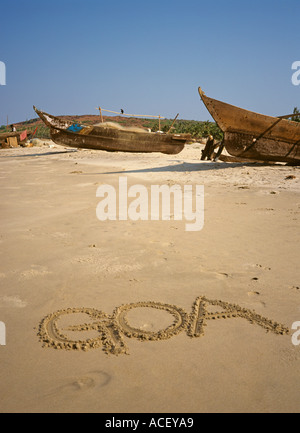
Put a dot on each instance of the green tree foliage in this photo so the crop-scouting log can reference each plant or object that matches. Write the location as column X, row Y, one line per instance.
column 42, row 132
column 296, row 118
column 195, row 128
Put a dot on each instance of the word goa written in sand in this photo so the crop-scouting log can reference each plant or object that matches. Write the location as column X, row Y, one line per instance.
column 2, row 74
column 107, row 331
column 296, row 75
column 2, row 334
column 140, row 208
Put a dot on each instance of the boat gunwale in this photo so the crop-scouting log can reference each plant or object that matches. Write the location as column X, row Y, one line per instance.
column 215, row 113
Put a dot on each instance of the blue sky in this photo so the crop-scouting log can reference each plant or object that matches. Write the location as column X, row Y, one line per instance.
column 70, row 56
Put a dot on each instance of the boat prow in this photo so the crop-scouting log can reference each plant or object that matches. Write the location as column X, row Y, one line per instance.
column 255, row 136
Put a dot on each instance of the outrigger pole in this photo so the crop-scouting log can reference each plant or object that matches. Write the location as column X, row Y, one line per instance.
column 159, row 117
column 126, row 114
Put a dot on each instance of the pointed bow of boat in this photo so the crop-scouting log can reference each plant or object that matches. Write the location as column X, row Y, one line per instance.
column 52, row 121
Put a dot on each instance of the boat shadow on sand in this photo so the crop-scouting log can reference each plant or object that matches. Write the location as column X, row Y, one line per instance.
column 28, row 155
column 191, row 167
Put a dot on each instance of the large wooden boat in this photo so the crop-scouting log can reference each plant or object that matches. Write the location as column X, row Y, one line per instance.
column 111, row 136
column 249, row 135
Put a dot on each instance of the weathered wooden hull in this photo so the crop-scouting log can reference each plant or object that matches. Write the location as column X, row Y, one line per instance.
column 9, row 139
column 114, row 141
column 111, row 139
column 253, row 135
column 5, row 135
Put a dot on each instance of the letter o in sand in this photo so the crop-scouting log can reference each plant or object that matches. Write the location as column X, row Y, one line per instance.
column 179, row 323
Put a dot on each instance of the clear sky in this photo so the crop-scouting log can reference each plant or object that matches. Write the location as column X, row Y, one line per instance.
column 147, row 57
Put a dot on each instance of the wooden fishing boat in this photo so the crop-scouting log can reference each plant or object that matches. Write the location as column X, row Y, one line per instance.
column 111, row 136
column 249, row 135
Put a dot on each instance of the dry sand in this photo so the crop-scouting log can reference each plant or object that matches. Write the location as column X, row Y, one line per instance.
column 144, row 316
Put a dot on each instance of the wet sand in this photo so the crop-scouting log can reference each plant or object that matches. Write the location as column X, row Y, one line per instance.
column 145, row 316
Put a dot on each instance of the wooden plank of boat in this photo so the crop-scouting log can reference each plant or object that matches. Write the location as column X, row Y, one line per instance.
column 5, row 135
column 256, row 136
column 9, row 139
column 111, row 137
column 27, row 134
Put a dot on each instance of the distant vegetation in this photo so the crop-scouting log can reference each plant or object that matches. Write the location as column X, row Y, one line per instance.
column 197, row 129
column 41, row 132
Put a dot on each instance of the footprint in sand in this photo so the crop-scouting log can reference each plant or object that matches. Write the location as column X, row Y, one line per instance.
column 222, row 275
column 265, row 268
column 257, row 266
column 255, row 296
column 82, row 384
column 253, row 293
column 94, row 379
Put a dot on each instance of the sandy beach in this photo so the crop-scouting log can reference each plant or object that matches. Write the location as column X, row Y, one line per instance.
column 99, row 315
